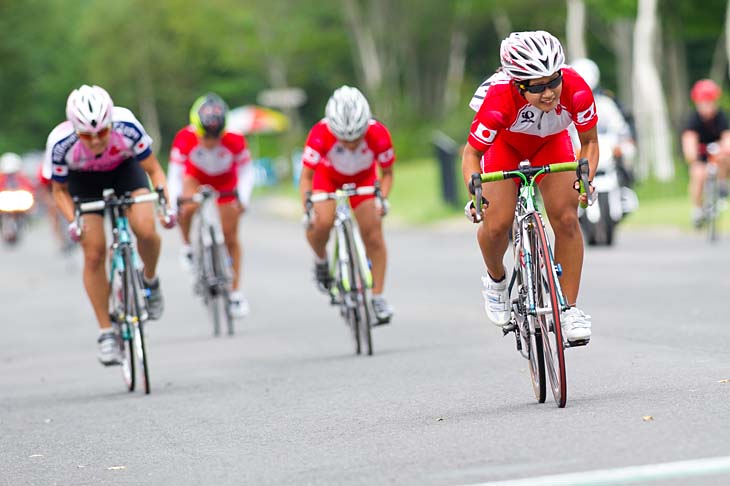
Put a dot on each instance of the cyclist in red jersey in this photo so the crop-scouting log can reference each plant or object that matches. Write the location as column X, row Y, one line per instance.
column 205, row 152
column 706, row 125
column 523, row 113
column 343, row 148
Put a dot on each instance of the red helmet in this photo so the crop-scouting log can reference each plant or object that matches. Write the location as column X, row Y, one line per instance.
column 705, row 90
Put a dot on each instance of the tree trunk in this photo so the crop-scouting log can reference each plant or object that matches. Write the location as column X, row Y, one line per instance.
column 676, row 81
column 719, row 60
column 502, row 23
column 650, row 110
column 370, row 67
column 622, row 48
column 575, row 26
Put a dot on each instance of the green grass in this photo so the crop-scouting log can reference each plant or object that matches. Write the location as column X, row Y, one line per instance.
column 415, row 197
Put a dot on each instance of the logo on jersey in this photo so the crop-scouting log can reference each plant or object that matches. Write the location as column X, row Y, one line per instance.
column 60, row 170
column 386, row 156
column 484, row 134
column 310, row 155
column 585, row 116
column 528, row 117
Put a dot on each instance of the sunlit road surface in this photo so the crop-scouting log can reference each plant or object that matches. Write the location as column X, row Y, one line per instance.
column 445, row 399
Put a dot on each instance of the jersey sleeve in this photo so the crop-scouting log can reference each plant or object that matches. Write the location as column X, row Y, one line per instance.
column 180, row 149
column 241, row 154
column 722, row 123
column 134, row 132
column 583, row 109
column 314, row 150
column 59, row 142
column 383, row 145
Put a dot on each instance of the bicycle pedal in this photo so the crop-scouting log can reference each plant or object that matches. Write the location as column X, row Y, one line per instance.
column 508, row 328
column 576, row 344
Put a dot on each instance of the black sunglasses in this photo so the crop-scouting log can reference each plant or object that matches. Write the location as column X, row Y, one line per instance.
column 539, row 88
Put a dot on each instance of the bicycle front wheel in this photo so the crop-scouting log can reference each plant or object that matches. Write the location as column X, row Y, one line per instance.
column 548, row 310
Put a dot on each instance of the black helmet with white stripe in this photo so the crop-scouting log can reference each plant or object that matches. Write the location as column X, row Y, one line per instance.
column 347, row 113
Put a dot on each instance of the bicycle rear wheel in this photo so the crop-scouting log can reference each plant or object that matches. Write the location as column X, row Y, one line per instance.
column 710, row 202
column 135, row 313
column 537, row 365
column 363, row 296
column 548, row 309
column 119, row 305
column 530, row 336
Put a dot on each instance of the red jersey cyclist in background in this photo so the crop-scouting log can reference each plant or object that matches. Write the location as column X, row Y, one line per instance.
column 345, row 147
column 205, row 152
column 523, row 112
column 103, row 146
column 706, row 125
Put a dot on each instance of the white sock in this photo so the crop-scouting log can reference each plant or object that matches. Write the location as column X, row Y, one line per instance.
column 320, row 260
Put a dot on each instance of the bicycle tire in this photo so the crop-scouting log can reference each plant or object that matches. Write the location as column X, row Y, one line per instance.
column 348, row 296
column 224, row 272
column 537, row 359
column 546, row 299
column 126, row 350
column 211, row 291
column 362, row 295
column 710, row 210
column 137, row 327
column 532, row 340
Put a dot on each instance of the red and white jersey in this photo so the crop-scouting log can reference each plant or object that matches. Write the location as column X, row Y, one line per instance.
column 221, row 160
column 501, row 109
column 323, row 151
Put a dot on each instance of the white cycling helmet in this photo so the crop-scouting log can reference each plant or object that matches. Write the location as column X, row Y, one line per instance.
column 531, row 55
column 588, row 70
column 347, row 113
column 10, row 163
column 89, row 109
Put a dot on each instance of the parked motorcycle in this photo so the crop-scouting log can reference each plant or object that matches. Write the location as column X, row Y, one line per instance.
column 614, row 197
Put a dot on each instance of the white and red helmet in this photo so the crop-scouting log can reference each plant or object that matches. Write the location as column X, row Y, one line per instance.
column 531, row 55
column 347, row 113
column 89, row 109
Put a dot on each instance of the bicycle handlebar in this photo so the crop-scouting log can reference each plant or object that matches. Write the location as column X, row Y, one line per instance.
column 347, row 190
column 580, row 167
column 87, row 207
column 203, row 193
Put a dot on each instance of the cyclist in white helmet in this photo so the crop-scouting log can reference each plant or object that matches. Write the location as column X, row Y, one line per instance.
column 345, row 147
column 523, row 112
column 103, row 146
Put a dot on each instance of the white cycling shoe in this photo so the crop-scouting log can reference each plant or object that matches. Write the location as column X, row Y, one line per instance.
column 496, row 301
column 109, row 353
column 576, row 326
column 239, row 305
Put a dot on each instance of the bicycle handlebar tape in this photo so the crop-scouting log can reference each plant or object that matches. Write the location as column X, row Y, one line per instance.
column 583, row 169
column 563, row 166
column 493, row 176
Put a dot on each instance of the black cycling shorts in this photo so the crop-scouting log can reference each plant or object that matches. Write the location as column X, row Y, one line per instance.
column 89, row 186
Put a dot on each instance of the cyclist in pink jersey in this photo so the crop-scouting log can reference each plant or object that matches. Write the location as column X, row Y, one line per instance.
column 205, row 152
column 103, row 146
column 345, row 147
column 523, row 112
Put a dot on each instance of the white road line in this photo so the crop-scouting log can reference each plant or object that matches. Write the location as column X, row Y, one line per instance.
column 626, row 475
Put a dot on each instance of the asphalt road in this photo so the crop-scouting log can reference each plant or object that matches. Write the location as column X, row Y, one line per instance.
column 445, row 399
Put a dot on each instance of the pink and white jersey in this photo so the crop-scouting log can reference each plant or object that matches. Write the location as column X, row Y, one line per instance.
column 323, row 151
column 501, row 109
column 64, row 151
